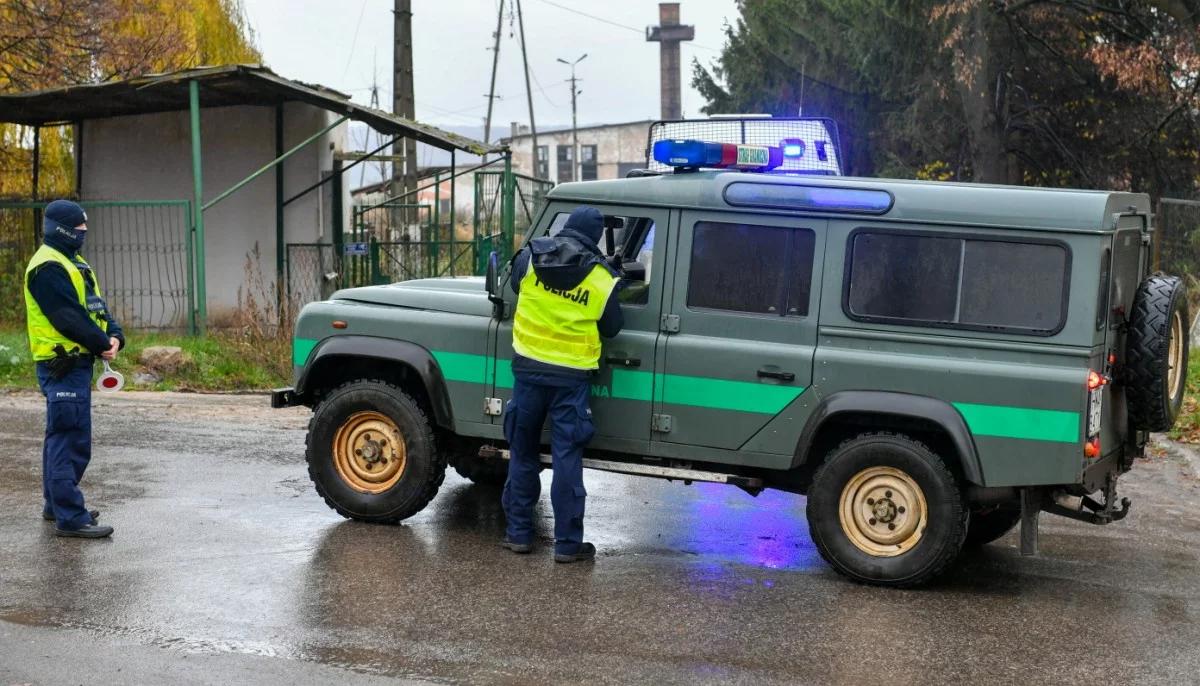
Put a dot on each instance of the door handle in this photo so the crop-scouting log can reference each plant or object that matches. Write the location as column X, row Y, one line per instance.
column 623, row 361
column 773, row 374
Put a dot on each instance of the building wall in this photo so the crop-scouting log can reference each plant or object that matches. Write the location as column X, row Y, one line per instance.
column 616, row 145
column 148, row 157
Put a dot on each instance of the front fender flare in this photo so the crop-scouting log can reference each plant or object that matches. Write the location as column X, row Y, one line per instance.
column 414, row 356
column 894, row 404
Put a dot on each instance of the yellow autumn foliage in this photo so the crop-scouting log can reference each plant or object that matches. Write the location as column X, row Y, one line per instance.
column 53, row 43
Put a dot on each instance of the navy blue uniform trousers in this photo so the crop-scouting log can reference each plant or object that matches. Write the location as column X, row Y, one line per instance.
column 67, row 449
column 566, row 403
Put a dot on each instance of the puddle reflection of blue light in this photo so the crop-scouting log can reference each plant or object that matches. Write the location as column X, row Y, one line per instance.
column 728, row 528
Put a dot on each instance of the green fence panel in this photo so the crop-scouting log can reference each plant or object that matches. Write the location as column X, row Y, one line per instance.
column 141, row 251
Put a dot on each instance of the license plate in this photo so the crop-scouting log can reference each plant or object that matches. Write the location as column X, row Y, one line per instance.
column 1095, row 407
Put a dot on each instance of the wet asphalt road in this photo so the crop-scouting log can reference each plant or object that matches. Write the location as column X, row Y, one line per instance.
column 227, row 568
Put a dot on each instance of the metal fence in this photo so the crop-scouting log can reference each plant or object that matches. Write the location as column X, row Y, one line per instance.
column 389, row 242
column 1177, row 243
column 139, row 249
column 528, row 194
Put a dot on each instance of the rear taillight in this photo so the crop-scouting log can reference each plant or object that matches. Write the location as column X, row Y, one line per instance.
column 1091, row 449
column 1096, row 380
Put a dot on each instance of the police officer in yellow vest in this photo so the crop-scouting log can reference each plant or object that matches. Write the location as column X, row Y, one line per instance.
column 567, row 302
column 69, row 327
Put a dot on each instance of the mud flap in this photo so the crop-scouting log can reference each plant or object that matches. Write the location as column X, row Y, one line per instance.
column 1031, row 507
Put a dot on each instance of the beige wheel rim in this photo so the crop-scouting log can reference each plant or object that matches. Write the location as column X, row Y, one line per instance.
column 1175, row 371
column 883, row 511
column 369, row 452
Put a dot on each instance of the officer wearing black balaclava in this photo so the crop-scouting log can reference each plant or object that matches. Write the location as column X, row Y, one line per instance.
column 69, row 326
column 567, row 302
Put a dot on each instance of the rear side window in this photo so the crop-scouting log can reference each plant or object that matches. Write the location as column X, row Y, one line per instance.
column 958, row 282
column 749, row 268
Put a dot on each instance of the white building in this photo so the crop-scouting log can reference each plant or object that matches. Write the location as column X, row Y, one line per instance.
column 606, row 151
column 140, row 161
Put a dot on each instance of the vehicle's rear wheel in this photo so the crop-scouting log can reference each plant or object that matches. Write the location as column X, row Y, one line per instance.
column 884, row 509
column 990, row 523
column 372, row 453
column 1156, row 353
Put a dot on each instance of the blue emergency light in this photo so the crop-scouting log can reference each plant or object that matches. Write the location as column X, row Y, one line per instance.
column 696, row 154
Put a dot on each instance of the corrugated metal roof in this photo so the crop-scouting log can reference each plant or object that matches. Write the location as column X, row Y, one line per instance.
column 223, row 86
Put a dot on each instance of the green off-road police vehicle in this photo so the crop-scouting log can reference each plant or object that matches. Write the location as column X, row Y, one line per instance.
column 932, row 364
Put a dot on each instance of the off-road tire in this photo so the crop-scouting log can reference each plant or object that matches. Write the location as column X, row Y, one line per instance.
column 485, row 472
column 990, row 523
column 945, row 526
column 1153, row 403
column 424, row 468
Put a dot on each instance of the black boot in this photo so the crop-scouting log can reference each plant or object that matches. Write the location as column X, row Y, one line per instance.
column 49, row 516
column 88, row 531
column 586, row 552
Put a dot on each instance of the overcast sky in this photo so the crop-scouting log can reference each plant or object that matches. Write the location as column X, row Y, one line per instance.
column 348, row 43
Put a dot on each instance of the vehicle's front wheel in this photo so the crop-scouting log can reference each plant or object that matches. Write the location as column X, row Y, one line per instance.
column 884, row 509
column 372, row 453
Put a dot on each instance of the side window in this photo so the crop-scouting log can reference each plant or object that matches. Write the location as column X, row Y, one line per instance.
column 905, row 277
column 630, row 237
column 991, row 296
column 800, row 273
column 748, row 268
column 956, row 282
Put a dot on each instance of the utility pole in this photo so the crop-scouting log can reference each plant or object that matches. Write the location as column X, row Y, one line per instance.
column 403, row 179
column 574, row 122
column 491, row 96
column 528, row 89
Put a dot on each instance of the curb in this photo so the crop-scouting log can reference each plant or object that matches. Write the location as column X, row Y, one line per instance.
column 1185, row 453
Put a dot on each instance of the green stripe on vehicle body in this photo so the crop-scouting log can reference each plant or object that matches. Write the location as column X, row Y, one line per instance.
column 462, row 366
column 301, row 349
column 1056, row 426
column 677, row 389
column 1000, row 421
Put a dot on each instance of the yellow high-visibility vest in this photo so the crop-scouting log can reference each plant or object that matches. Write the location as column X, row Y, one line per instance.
column 42, row 334
column 558, row 326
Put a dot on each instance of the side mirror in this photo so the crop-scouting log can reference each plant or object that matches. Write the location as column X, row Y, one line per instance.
column 493, row 273
column 491, row 284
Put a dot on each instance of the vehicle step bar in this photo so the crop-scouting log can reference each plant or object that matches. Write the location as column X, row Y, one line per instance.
column 748, row 483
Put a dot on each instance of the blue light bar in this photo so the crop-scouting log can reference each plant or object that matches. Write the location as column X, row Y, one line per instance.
column 697, row 154
column 792, row 147
column 819, row 198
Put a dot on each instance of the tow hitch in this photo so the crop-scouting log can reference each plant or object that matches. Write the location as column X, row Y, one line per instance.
column 1083, row 508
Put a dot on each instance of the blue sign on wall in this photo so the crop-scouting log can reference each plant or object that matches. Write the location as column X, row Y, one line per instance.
column 355, row 249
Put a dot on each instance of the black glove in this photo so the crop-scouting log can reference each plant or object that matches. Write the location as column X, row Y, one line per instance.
column 62, row 363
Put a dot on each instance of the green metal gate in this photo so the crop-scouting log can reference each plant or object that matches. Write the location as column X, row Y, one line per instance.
column 141, row 251
column 494, row 201
column 394, row 241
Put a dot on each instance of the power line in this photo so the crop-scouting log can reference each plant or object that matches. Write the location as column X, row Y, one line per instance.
column 354, row 41
column 627, row 27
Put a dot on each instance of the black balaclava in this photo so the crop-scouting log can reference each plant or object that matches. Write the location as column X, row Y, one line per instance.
column 59, row 226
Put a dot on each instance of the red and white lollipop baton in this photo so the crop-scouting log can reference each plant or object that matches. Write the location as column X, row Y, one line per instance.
column 110, row 381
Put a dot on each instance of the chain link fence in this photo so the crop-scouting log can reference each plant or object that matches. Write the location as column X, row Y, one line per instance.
column 140, row 251
column 1177, row 245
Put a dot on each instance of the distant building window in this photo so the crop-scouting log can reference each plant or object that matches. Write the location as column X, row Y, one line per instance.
column 565, row 164
column 587, row 163
column 543, row 162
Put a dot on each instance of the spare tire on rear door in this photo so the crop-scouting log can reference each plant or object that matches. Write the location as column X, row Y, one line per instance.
column 1156, row 353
